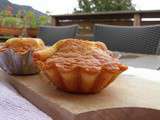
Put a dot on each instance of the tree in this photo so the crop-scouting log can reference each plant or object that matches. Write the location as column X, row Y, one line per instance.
column 104, row 5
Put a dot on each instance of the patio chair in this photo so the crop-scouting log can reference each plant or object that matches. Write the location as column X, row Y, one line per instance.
column 142, row 39
column 51, row 34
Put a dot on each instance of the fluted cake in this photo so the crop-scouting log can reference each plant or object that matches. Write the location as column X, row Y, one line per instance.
column 16, row 55
column 79, row 66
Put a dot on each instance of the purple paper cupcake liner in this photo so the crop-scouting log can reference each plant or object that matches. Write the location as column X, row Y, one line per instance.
column 18, row 64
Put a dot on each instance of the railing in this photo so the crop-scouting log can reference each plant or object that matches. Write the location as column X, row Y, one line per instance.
column 127, row 18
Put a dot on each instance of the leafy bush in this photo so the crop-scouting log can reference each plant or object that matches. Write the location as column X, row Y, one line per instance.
column 33, row 21
column 43, row 20
column 12, row 22
column 28, row 20
column 1, row 20
column 9, row 22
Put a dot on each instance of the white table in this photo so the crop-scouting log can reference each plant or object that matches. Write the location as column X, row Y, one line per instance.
column 141, row 60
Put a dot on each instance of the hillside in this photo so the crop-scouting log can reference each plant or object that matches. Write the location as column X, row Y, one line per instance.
column 5, row 3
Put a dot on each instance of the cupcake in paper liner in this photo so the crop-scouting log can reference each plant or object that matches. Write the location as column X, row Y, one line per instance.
column 16, row 55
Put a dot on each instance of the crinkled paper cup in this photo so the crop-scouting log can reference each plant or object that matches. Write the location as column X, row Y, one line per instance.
column 18, row 64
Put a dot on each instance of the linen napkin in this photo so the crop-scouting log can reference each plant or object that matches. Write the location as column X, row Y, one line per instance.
column 15, row 107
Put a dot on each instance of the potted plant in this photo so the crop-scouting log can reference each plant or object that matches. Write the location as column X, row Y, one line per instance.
column 33, row 22
column 23, row 24
column 10, row 26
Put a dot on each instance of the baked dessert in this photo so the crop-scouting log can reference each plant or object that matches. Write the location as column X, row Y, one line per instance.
column 22, row 45
column 79, row 66
column 16, row 55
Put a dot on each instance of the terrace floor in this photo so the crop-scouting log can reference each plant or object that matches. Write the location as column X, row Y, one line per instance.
column 141, row 60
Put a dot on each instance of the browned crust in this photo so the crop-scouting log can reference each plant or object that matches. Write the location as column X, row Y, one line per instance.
column 79, row 66
column 73, row 53
column 22, row 45
column 101, row 81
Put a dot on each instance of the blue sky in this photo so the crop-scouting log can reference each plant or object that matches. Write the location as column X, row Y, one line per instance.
column 67, row 6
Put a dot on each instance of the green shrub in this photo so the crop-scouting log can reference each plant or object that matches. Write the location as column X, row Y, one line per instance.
column 30, row 20
column 12, row 22
column 33, row 21
column 9, row 22
column 22, row 19
column 43, row 20
column 1, row 20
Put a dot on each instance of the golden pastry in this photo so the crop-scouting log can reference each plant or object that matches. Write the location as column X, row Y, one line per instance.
column 22, row 45
column 79, row 66
column 16, row 55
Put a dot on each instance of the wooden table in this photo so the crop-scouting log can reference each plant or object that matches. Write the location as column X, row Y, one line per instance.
column 134, row 95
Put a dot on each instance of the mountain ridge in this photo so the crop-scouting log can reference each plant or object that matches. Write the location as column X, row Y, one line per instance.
column 15, row 8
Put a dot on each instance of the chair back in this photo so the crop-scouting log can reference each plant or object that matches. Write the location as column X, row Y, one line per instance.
column 142, row 39
column 51, row 34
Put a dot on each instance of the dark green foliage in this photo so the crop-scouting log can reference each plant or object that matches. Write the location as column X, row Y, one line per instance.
column 104, row 5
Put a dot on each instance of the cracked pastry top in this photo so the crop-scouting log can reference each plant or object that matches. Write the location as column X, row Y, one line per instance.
column 70, row 54
column 78, row 60
column 22, row 45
